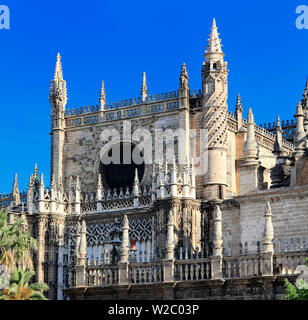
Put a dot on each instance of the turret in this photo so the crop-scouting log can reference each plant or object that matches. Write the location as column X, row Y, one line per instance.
column 214, row 119
column 58, row 100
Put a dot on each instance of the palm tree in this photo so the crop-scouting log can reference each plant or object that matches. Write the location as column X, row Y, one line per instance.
column 15, row 244
column 21, row 290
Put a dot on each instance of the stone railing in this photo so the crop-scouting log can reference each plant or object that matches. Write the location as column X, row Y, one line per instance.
column 242, row 266
column 199, row 269
column 145, row 272
column 114, row 200
column 286, row 262
column 263, row 136
column 7, row 198
column 102, row 275
column 126, row 109
column 189, row 270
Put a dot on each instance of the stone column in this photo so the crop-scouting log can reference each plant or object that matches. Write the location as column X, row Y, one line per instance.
column 168, row 262
column 77, row 196
column 216, row 258
column 123, row 264
column 60, row 261
column 80, row 267
column 268, row 236
column 41, row 222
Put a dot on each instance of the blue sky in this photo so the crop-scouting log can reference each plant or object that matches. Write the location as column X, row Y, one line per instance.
column 116, row 41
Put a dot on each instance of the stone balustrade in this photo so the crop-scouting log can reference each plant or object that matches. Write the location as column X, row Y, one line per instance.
column 198, row 269
column 101, row 275
column 140, row 273
column 190, row 270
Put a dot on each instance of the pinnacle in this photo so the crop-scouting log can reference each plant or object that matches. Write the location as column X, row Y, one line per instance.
column 103, row 94
column 184, row 70
column 144, row 81
column 278, row 121
column 299, row 109
column 144, row 88
column 238, row 104
column 250, row 117
column 15, row 187
column 214, row 43
column 58, row 70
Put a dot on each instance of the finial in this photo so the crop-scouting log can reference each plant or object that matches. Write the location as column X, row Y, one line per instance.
column 16, row 195
column 102, row 97
column 239, row 107
column 136, row 180
column 250, row 118
column 278, row 121
column 58, row 70
column 214, row 43
column 144, row 89
column 15, row 185
column 42, row 179
column 299, row 109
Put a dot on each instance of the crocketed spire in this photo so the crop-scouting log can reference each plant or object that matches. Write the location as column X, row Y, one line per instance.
column 214, row 43
column 144, row 88
column 239, row 107
column 58, row 84
column 58, row 70
column 102, row 97
column 305, row 97
column 16, row 195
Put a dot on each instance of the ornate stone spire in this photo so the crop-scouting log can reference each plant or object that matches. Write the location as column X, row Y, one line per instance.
column 144, row 88
column 214, row 43
column 57, row 91
column 35, row 176
column 136, row 184
column 305, row 97
column 16, row 195
column 268, row 234
column 239, row 112
column 184, row 85
column 239, row 107
column 102, row 97
column 278, row 142
column 214, row 118
column 300, row 135
column 42, row 187
column 250, row 145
